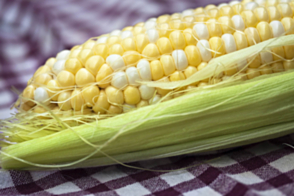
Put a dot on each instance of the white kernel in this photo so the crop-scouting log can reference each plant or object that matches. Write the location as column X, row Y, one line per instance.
column 154, row 99
column 126, row 34
column 238, row 22
column 251, row 5
column 204, row 49
column 222, row 5
column 128, row 107
column 152, row 19
column 150, row 25
column 102, row 40
column 234, row 3
column 119, row 80
column 277, row 28
column 230, row 44
column 115, row 61
column 58, row 66
column 41, row 95
column 180, row 59
column 201, row 31
column 241, row 65
column 260, row 2
column 133, row 76
column 146, row 91
column 188, row 12
column 266, row 57
column 115, row 33
column 153, row 35
column 144, row 70
column 63, row 55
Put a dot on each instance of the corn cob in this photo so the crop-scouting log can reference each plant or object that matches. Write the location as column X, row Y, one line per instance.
column 151, row 62
column 104, row 76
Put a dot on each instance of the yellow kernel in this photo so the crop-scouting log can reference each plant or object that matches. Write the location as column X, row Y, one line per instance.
column 72, row 65
column 65, row 79
column 193, row 55
column 53, row 88
column 278, row 53
column 84, row 77
column 42, row 69
column 249, row 18
column 214, row 29
column 289, row 54
column 141, row 41
column 217, row 46
column 113, row 109
column 101, row 50
column 90, row 95
column 131, row 57
column 88, row 44
column 50, row 62
column 129, row 44
column 77, row 101
column 277, row 67
column 288, row 65
column 264, row 30
column 94, row 63
column 168, row 64
column 116, row 49
column 28, row 93
column 42, row 79
column 156, row 70
column 132, row 95
column 252, row 36
column 176, row 76
column 177, row 40
column 252, row 73
column 151, row 51
column 164, row 45
column 102, row 104
column 84, row 55
column 226, row 11
column 241, row 40
column 104, row 76
column 261, row 14
column 64, row 100
column 189, row 37
column 274, row 13
column 114, row 95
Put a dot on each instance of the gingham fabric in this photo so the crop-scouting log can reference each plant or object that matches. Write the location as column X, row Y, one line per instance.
column 262, row 169
column 32, row 31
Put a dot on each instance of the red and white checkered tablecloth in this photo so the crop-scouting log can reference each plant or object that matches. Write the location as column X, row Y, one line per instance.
column 32, row 31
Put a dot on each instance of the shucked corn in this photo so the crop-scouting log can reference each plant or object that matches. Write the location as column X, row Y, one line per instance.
column 104, row 75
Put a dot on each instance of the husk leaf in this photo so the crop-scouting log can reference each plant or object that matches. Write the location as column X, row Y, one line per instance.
column 217, row 117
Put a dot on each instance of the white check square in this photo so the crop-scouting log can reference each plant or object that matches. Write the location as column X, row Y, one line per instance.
column 177, row 177
column 110, row 173
column 135, row 189
column 67, row 187
column 246, row 178
column 222, row 161
column 37, row 175
column 203, row 192
column 284, row 164
column 5, row 179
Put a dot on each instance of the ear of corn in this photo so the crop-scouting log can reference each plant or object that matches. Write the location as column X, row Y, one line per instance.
column 231, row 63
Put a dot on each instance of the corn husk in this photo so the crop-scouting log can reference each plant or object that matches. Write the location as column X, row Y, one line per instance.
column 231, row 114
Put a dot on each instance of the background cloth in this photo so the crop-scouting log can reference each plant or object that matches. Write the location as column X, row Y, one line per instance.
column 32, row 31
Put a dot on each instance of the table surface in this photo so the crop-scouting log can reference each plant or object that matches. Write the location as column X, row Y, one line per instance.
column 32, row 31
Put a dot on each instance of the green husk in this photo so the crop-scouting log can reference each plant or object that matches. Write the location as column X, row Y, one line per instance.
column 202, row 120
